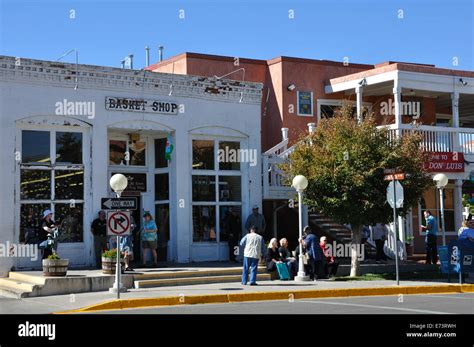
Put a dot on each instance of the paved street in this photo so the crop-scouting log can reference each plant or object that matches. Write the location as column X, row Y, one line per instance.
column 412, row 304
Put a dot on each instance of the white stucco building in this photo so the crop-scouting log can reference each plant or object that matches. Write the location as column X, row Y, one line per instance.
column 66, row 128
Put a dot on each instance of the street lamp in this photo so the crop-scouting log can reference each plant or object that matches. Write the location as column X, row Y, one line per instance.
column 118, row 183
column 441, row 181
column 300, row 183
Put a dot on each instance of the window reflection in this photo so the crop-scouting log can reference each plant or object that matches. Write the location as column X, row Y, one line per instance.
column 228, row 155
column 230, row 222
column 117, row 151
column 161, row 187
column 204, row 223
column 204, row 188
column 35, row 146
column 203, row 155
column 69, row 217
column 35, row 184
column 137, row 151
column 30, row 219
column 160, row 151
column 69, row 184
column 229, row 188
column 69, row 147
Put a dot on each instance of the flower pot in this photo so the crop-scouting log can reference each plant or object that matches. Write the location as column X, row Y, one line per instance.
column 109, row 265
column 55, row 267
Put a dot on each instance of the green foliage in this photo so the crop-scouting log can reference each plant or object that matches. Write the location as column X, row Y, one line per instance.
column 344, row 162
column 112, row 253
column 53, row 257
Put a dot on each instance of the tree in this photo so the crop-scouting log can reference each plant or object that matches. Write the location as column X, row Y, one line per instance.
column 344, row 162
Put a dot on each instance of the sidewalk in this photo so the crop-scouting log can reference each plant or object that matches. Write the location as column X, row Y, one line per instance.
column 222, row 293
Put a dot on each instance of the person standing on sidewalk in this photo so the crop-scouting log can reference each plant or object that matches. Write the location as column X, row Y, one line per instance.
column 431, row 230
column 99, row 230
column 315, row 254
column 253, row 251
column 257, row 220
column 379, row 235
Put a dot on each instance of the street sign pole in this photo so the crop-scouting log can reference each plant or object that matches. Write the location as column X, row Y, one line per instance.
column 441, row 203
column 395, row 228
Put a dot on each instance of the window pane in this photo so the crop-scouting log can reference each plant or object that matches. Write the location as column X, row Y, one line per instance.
column 230, row 222
column 230, row 188
column 69, row 184
column 137, row 151
column 203, row 155
column 35, row 185
column 204, row 188
column 162, row 219
column 35, row 146
column 229, row 156
column 204, row 219
column 69, row 218
column 69, row 147
column 30, row 220
column 160, row 150
column 117, row 151
column 161, row 187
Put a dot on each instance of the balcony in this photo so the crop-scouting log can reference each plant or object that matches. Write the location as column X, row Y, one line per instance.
column 440, row 139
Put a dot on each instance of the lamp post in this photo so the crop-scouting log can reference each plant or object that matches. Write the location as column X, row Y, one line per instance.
column 300, row 183
column 118, row 183
column 441, row 181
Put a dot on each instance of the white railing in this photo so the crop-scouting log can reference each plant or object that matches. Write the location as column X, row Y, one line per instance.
column 439, row 139
column 274, row 179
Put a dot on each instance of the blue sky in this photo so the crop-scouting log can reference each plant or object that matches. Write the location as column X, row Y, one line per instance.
column 365, row 31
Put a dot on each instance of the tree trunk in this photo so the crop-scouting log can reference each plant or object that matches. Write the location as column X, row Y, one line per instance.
column 355, row 265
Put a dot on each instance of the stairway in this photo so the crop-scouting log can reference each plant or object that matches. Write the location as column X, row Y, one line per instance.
column 19, row 285
column 185, row 278
column 339, row 233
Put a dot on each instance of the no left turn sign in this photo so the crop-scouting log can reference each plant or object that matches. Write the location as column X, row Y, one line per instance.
column 118, row 223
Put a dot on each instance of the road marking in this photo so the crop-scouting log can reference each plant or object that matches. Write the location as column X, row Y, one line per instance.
column 452, row 297
column 374, row 307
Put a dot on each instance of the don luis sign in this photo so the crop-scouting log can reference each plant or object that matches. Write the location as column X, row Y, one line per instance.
column 445, row 162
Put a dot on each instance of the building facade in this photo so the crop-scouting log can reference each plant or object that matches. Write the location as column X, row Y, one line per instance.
column 66, row 128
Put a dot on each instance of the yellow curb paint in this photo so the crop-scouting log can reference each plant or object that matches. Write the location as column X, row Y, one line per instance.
column 268, row 296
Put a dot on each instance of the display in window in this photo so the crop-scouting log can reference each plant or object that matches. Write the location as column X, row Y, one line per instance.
column 35, row 146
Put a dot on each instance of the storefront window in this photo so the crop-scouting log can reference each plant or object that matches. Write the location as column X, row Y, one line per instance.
column 204, row 188
column 162, row 219
column 137, row 150
column 58, row 188
column 69, row 218
column 69, row 185
column 230, row 188
column 203, row 155
column 430, row 202
column 204, row 218
column 35, row 146
column 228, row 155
column 35, row 185
column 117, row 150
column 69, row 147
column 161, row 186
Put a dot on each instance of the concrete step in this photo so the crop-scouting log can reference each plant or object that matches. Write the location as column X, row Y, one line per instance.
column 24, row 277
column 190, row 274
column 17, row 288
column 194, row 280
column 12, row 293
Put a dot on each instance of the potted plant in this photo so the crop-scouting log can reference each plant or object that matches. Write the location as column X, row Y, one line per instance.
column 109, row 261
column 55, row 266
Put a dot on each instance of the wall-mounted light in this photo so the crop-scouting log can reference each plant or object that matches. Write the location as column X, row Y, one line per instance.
column 291, row 87
column 241, row 96
column 171, row 90
column 464, row 83
column 363, row 82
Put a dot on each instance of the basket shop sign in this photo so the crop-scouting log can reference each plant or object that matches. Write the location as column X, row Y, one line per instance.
column 140, row 105
column 445, row 162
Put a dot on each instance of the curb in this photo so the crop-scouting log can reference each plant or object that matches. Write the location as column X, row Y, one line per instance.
column 268, row 296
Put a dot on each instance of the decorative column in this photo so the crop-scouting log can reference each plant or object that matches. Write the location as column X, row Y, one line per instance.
column 359, row 103
column 458, row 208
column 455, row 112
column 397, row 101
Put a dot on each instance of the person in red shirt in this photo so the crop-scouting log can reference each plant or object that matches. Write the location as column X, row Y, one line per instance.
column 330, row 266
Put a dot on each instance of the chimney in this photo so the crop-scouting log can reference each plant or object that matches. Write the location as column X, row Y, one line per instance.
column 147, row 55
column 160, row 53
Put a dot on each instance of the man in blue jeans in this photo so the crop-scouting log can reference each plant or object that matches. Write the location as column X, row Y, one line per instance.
column 431, row 229
column 254, row 248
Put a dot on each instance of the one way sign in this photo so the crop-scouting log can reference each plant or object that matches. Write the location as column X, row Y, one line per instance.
column 119, row 203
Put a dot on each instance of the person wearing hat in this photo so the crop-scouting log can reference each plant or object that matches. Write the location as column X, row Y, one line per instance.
column 149, row 238
column 47, row 229
column 256, row 219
